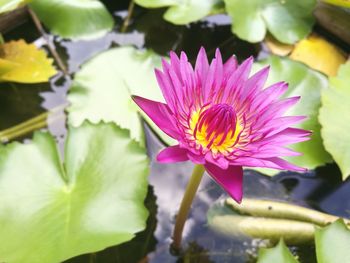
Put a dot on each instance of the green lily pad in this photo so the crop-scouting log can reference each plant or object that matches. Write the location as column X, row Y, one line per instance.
column 308, row 84
column 91, row 201
column 333, row 243
column 9, row 5
column 75, row 19
column 288, row 20
column 103, row 87
column 335, row 119
column 183, row 12
column 280, row 254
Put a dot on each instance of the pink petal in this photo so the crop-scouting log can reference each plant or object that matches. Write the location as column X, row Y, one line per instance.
column 255, row 83
column 219, row 71
column 172, row 154
column 220, row 161
column 159, row 114
column 195, row 158
column 287, row 136
column 231, row 179
column 230, row 66
column 272, row 151
column 274, row 163
column 208, row 81
column 235, row 83
column 268, row 96
column 202, row 65
column 279, row 124
column 175, row 63
column 166, row 87
column 278, row 108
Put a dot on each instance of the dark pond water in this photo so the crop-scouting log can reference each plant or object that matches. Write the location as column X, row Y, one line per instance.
column 320, row 189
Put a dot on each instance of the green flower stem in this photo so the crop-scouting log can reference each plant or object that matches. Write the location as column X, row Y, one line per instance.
column 31, row 125
column 275, row 209
column 185, row 206
column 128, row 17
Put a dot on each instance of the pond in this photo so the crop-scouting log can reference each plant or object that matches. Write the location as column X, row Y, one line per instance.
column 321, row 188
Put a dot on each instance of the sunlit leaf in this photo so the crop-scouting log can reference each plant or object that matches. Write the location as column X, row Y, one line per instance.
column 333, row 243
column 335, row 119
column 288, row 20
column 319, row 54
column 308, row 84
column 102, row 89
column 51, row 211
column 183, row 12
column 278, row 254
column 9, row 5
column 134, row 250
column 343, row 3
column 25, row 63
column 76, row 19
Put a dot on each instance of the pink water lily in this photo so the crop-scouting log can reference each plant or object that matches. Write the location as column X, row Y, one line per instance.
column 223, row 118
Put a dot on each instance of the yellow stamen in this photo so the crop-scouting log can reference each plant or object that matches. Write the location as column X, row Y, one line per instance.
column 217, row 146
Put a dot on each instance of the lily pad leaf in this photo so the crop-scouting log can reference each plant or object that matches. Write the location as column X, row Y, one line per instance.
column 24, row 63
column 319, row 54
column 75, row 19
column 333, row 243
column 9, row 5
column 308, row 84
column 103, row 87
column 280, row 254
column 91, row 201
column 288, row 21
column 335, row 118
column 183, row 12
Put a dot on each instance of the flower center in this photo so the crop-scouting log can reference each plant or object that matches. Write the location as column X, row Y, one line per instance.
column 215, row 128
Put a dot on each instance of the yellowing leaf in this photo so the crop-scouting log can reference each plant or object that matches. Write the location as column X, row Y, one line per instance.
column 6, row 66
column 344, row 3
column 25, row 63
column 319, row 54
column 277, row 47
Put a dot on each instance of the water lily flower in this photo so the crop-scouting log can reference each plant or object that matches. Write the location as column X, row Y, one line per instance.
column 223, row 118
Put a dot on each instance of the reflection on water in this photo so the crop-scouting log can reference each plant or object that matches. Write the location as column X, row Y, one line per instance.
column 169, row 182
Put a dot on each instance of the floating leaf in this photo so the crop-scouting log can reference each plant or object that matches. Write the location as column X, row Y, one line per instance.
column 343, row 3
column 319, row 54
column 102, row 89
column 231, row 223
column 25, row 63
column 333, row 243
column 183, row 12
column 92, row 201
column 335, row 119
column 76, row 19
column 278, row 254
column 9, row 5
column 308, row 84
column 288, row 20
column 277, row 47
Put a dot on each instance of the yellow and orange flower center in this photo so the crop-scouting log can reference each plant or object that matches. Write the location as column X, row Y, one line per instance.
column 215, row 127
